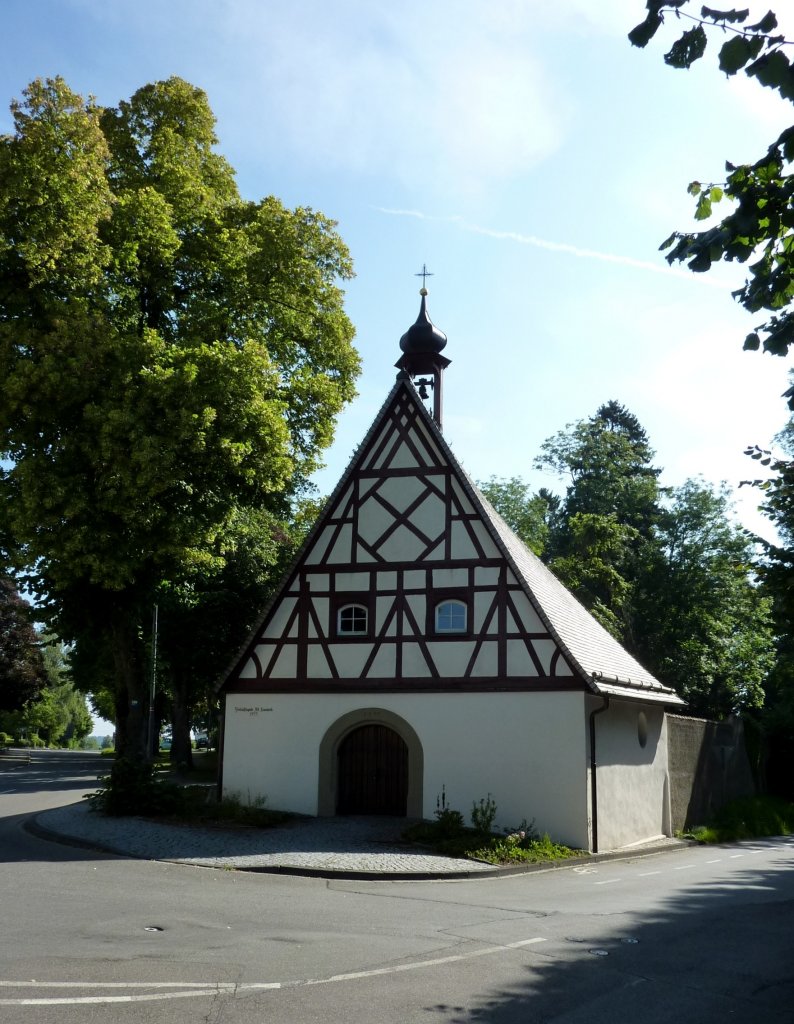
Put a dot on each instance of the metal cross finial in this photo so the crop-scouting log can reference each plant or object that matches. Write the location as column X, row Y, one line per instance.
column 424, row 273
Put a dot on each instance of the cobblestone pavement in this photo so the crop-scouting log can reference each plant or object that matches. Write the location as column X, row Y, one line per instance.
column 325, row 846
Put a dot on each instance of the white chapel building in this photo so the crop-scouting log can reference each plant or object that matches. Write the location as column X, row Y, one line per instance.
column 417, row 646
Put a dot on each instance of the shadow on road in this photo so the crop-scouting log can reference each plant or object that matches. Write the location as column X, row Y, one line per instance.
column 50, row 779
column 18, row 845
column 714, row 952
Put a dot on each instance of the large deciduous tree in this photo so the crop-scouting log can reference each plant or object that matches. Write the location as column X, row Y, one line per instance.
column 606, row 517
column 777, row 573
column 526, row 514
column 205, row 619
column 759, row 229
column 704, row 624
column 171, row 355
column 666, row 571
column 22, row 671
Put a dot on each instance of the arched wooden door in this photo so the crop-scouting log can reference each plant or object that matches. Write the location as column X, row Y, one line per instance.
column 372, row 772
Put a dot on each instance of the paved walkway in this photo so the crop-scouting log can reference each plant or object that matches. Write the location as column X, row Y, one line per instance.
column 350, row 847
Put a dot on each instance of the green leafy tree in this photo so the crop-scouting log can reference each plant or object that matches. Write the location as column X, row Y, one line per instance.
column 526, row 514
column 759, row 229
column 607, row 460
column 595, row 567
column 46, row 719
column 665, row 571
column 204, row 621
column 78, row 721
column 171, row 356
column 776, row 485
column 57, row 714
column 705, row 624
column 23, row 674
column 607, row 515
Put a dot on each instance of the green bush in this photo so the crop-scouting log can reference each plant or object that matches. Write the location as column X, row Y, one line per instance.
column 131, row 788
column 447, row 835
column 448, row 823
column 483, row 814
column 5, row 739
column 234, row 810
column 513, row 849
column 749, row 818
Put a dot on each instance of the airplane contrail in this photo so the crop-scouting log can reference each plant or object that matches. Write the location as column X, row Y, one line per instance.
column 572, row 250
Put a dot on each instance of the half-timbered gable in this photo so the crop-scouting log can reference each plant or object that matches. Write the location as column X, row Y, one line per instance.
column 417, row 645
column 405, row 582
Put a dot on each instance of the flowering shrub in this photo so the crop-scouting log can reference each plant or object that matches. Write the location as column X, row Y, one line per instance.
column 524, row 835
column 514, row 849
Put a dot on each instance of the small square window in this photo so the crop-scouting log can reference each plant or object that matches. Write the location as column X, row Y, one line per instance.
column 352, row 620
column 451, row 617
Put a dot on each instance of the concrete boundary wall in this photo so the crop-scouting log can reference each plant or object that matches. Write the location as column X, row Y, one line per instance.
column 708, row 766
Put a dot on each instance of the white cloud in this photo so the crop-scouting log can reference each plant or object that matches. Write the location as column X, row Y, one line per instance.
column 421, row 95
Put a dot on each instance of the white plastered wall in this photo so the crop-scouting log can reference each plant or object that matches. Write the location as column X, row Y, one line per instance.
column 527, row 750
column 632, row 779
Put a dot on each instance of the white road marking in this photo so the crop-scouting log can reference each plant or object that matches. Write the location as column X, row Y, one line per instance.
column 735, row 855
column 647, row 874
column 114, row 984
column 608, row 881
column 717, row 861
column 422, row 963
column 193, row 989
column 685, row 867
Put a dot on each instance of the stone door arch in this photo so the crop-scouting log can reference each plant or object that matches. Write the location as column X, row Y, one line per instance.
column 371, row 762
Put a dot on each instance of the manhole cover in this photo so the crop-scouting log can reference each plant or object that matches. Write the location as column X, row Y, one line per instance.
column 599, row 952
column 629, row 942
column 152, row 928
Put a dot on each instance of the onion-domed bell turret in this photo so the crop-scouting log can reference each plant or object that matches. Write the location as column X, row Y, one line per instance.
column 421, row 345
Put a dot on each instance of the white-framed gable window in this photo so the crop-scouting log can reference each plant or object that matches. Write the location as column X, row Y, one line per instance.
column 451, row 617
column 352, row 620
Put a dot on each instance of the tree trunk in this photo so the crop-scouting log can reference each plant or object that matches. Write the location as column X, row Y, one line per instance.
column 131, row 697
column 181, row 747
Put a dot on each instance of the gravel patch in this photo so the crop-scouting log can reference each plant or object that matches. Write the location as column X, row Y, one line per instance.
column 358, row 846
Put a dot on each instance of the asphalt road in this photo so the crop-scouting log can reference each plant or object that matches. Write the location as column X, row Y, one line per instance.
column 700, row 934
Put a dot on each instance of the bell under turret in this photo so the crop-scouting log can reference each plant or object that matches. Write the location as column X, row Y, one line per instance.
column 421, row 360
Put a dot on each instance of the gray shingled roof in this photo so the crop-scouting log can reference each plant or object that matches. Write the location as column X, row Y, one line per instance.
column 605, row 663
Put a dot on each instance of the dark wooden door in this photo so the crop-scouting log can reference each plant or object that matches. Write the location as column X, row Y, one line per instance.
column 372, row 772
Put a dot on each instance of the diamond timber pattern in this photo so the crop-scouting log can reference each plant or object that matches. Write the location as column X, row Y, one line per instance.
column 400, row 533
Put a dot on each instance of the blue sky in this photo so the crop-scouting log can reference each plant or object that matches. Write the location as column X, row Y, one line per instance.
column 523, row 150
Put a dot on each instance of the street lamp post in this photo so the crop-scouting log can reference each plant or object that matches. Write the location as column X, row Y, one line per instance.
column 151, row 729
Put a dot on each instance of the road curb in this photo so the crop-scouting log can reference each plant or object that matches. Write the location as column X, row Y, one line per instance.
column 33, row 826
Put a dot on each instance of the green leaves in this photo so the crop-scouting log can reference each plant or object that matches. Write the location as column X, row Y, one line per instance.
column 759, row 230
column 645, row 31
column 737, row 51
column 55, row 196
column 22, row 669
column 171, row 356
column 642, row 34
column 687, row 49
column 706, row 626
column 766, row 25
column 712, row 194
column 773, row 69
column 724, row 17
column 527, row 515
